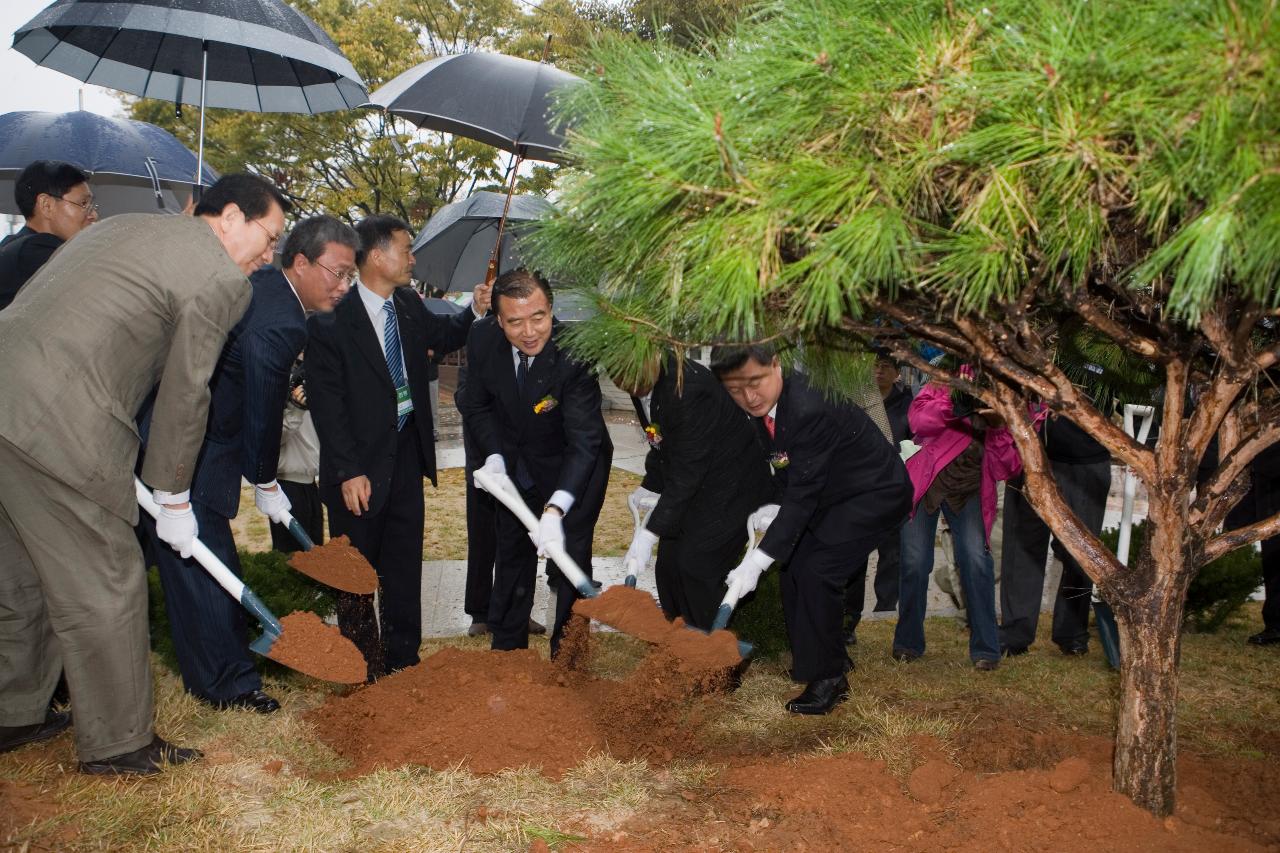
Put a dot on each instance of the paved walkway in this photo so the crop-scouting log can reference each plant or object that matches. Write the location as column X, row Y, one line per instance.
column 444, row 581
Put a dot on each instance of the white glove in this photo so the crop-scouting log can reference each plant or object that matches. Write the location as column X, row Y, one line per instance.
column 637, row 558
column 642, row 501
column 493, row 465
column 176, row 527
column 273, row 504
column 748, row 572
column 550, row 531
column 760, row 520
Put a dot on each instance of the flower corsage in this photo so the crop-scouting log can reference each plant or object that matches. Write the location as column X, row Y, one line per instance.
column 780, row 460
column 653, row 435
column 545, row 405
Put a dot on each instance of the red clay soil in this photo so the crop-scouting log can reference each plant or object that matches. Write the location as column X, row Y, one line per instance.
column 310, row 646
column 338, row 565
column 635, row 612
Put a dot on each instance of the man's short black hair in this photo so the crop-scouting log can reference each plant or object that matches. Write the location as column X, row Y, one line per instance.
column 253, row 194
column 727, row 358
column 375, row 233
column 50, row 177
column 310, row 237
column 520, row 284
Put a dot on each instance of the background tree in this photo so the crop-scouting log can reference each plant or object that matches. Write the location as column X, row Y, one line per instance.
column 984, row 179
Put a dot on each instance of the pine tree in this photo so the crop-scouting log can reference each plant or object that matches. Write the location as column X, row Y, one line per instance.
column 984, row 179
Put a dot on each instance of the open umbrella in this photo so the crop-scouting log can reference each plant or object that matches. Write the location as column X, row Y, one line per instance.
column 254, row 55
column 453, row 250
column 134, row 166
column 503, row 101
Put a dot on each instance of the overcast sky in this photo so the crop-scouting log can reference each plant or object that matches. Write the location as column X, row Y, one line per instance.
column 26, row 86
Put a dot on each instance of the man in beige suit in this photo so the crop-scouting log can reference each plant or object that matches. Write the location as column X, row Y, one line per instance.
column 137, row 301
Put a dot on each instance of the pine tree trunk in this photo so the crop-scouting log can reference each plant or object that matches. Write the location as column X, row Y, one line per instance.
column 1144, row 768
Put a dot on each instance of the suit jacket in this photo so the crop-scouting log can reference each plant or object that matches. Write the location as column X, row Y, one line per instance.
column 16, row 235
column 350, row 394
column 561, row 446
column 19, row 260
column 136, row 300
column 704, row 459
column 835, row 475
column 249, row 387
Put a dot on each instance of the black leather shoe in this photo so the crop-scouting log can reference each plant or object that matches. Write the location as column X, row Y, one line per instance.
column 254, row 700
column 1265, row 637
column 145, row 761
column 1074, row 649
column 537, row 627
column 12, row 737
column 477, row 629
column 820, row 696
column 1014, row 651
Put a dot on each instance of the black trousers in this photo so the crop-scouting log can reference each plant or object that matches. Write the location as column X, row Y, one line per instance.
column 1263, row 501
column 482, row 532
column 885, row 583
column 1022, row 560
column 690, row 576
column 511, row 600
column 307, row 509
column 391, row 540
column 813, row 585
column 208, row 626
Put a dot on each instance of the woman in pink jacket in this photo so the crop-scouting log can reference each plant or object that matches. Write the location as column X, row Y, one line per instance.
column 963, row 454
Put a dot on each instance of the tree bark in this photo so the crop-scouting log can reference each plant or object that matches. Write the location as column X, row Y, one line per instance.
column 1150, row 626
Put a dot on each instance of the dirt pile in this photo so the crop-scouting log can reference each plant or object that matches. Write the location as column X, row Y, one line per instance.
column 635, row 612
column 310, row 646
column 338, row 565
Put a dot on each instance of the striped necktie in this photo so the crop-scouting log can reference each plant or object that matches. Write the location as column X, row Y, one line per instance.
column 391, row 349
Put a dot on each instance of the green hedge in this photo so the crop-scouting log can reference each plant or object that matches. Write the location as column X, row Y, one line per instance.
column 268, row 574
column 1217, row 590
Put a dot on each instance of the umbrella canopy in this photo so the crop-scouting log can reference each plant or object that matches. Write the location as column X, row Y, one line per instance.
column 453, row 250
column 134, row 166
column 442, row 307
column 262, row 55
column 499, row 100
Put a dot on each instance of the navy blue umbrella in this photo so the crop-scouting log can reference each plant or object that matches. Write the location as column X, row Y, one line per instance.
column 133, row 166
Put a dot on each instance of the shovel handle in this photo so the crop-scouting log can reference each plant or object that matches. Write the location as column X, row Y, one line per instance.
column 727, row 604
column 298, row 533
column 216, row 568
column 501, row 487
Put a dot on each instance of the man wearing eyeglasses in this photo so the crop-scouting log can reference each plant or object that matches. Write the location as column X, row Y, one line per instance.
column 58, row 204
column 136, row 302
column 248, row 390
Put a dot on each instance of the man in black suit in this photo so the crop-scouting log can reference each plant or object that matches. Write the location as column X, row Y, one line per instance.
column 248, row 391
column 535, row 413
column 840, row 487
column 58, row 204
column 707, row 473
column 368, row 390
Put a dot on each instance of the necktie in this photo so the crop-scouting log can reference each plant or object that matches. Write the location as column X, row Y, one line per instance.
column 768, row 424
column 391, row 350
column 522, row 372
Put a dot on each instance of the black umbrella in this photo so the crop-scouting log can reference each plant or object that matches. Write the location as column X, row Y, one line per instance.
column 135, row 166
column 454, row 248
column 503, row 101
column 442, row 307
column 253, row 55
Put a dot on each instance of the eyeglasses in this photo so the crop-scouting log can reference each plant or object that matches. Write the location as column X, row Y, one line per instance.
column 347, row 277
column 87, row 205
column 272, row 239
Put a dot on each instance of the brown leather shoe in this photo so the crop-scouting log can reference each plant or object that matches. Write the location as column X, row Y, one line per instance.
column 477, row 629
column 12, row 737
column 144, row 761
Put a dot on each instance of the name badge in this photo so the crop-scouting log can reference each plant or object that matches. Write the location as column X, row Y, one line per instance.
column 404, row 403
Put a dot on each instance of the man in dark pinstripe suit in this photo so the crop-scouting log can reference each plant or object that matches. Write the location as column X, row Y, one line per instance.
column 249, row 388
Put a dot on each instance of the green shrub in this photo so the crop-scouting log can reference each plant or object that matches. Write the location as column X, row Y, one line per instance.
column 1217, row 590
column 268, row 574
column 758, row 617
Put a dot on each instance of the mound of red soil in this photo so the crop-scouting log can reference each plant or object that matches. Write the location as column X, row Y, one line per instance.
column 338, row 565
column 634, row 611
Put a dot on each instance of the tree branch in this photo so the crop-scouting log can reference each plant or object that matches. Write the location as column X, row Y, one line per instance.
column 1230, row 540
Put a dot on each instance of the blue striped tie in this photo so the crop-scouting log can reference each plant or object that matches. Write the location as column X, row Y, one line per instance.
column 391, row 349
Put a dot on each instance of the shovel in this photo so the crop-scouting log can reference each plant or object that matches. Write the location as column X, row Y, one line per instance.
column 236, row 588
column 645, row 505
column 361, row 580
column 735, row 591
